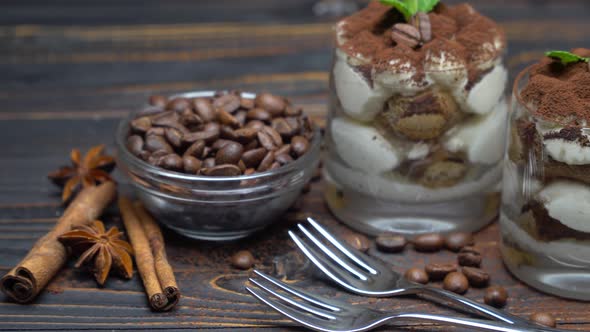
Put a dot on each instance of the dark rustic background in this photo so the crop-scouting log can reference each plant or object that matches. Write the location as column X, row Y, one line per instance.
column 69, row 70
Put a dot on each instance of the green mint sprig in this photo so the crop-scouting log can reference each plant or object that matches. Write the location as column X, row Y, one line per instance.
column 409, row 8
column 566, row 57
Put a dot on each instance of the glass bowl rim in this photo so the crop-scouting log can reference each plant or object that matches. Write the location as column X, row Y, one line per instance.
column 128, row 158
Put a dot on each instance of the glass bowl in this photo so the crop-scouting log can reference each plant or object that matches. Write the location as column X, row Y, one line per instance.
column 215, row 208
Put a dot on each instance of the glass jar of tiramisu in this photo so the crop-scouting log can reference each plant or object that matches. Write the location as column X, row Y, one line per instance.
column 416, row 132
column 545, row 215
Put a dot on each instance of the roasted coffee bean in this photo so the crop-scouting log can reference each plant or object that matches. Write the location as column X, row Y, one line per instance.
column 273, row 104
column 135, row 144
column 189, row 118
column 204, row 109
column 428, row 242
column 207, row 151
column 357, row 241
column 144, row 155
column 266, row 141
column 294, row 124
column 196, row 149
column 245, row 135
column 543, row 318
column 228, row 103
column 266, row 162
column 157, row 131
column 283, row 159
column 439, row 271
column 219, row 144
column 456, row 282
column 242, row 259
column 228, row 133
column 282, row 127
column 212, row 127
column 178, row 104
column 173, row 136
column 172, row 162
column 293, row 111
column 222, row 170
column 246, row 103
column 255, row 124
column 477, row 277
column 141, row 125
column 208, row 163
column 249, row 171
column 241, row 117
column 159, row 101
column 416, row 275
column 191, row 164
column 252, row 158
column 496, row 296
column 205, row 135
column 230, row 153
column 227, row 119
column 276, row 138
column 274, row 165
column 285, row 149
column 406, row 34
column 156, row 157
column 456, row 241
column 258, row 114
column 299, row 145
column 154, row 143
column 390, row 243
column 253, row 144
column 469, row 256
column 242, row 166
column 166, row 119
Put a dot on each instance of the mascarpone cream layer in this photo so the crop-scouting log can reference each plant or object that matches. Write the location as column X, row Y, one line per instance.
column 569, row 152
column 568, row 202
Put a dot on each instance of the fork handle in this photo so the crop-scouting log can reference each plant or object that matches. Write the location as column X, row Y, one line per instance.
column 474, row 307
column 474, row 324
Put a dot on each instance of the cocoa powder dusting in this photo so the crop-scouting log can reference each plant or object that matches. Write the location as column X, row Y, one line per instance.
column 560, row 93
column 469, row 37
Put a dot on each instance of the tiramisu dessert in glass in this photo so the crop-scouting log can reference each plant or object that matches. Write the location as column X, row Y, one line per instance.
column 545, row 219
column 416, row 132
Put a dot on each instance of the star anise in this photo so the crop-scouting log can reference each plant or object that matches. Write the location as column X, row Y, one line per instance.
column 93, row 169
column 105, row 248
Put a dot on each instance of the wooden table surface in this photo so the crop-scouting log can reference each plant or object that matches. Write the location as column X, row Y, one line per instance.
column 70, row 70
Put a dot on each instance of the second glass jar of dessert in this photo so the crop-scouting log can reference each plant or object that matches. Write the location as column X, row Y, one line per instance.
column 416, row 132
column 545, row 215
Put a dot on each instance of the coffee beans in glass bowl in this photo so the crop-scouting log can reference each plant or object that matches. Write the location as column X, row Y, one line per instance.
column 218, row 165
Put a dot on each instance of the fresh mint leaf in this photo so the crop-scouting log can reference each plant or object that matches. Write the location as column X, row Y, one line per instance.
column 409, row 8
column 427, row 6
column 401, row 7
column 566, row 57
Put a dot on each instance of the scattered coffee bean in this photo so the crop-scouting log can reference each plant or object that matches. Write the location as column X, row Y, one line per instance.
column 135, row 144
column 438, row 271
column 469, row 256
column 159, row 101
column 496, row 296
column 210, row 135
column 428, row 242
column 273, row 104
column 172, row 162
column 456, row 241
column 417, row 275
column 477, row 277
column 230, row 153
column 242, row 259
column 543, row 318
column 191, row 164
column 228, row 103
column 391, row 243
column 357, row 241
column 456, row 282
column 222, row 170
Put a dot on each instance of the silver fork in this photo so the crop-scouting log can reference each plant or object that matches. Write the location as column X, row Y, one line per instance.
column 366, row 276
column 328, row 315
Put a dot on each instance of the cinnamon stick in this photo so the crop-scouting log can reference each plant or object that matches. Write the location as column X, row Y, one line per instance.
column 24, row 282
column 143, row 256
column 163, row 268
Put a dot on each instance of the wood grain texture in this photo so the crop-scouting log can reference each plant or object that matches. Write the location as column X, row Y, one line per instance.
column 70, row 71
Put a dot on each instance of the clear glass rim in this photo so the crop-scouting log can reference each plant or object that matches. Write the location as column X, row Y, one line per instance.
column 127, row 157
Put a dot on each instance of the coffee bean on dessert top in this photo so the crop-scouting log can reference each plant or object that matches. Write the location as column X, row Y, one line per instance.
column 223, row 135
column 456, row 241
column 496, row 296
column 428, row 242
column 543, row 318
